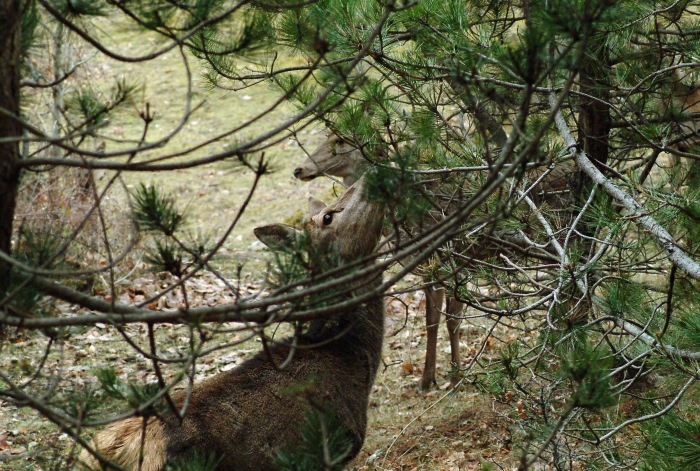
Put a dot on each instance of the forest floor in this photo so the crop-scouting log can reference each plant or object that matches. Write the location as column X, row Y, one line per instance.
column 439, row 429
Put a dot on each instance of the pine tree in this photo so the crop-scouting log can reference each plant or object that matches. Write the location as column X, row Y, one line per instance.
column 542, row 152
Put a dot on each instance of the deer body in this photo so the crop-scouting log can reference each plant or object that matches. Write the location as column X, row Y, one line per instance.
column 687, row 99
column 337, row 157
column 244, row 417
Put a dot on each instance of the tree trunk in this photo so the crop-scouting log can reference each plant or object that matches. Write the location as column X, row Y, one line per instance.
column 10, row 54
column 594, row 124
column 594, row 116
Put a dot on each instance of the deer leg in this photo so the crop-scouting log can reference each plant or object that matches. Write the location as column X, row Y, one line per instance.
column 433, row 305
column 454, row 308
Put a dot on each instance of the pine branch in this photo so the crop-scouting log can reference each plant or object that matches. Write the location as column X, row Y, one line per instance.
column 634, row 210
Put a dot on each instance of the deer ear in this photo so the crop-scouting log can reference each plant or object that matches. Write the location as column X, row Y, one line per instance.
column 276, row 236
column 316, row 206
column 346, row 196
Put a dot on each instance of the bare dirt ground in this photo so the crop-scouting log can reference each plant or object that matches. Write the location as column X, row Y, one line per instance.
column 464, row 429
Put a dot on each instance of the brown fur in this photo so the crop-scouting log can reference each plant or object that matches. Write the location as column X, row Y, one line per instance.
column 337, row 157
column 245, row 416
column 689, row 99
column 122, row 442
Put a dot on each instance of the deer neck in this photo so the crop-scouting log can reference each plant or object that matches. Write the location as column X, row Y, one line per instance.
column 355, row 332
column 349, row 180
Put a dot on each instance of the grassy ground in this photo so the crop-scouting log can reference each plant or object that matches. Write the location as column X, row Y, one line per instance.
column 434, row 430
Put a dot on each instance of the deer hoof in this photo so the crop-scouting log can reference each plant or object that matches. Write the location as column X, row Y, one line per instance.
column 426, row 384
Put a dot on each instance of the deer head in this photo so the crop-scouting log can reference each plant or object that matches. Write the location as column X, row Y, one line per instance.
column 352, row 226
column 336, row 157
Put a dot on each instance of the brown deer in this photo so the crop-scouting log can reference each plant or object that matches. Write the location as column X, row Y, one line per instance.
column 686, row 99
column 245, row 416
column 337, row 157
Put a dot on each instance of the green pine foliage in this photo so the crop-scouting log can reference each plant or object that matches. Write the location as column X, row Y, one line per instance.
column 588, row 372
column 92, row 109
column 166, row 256
column 156, row 212
column 299, row 259
column 75, row 9
column 36, row 249
column 673, row 443
column 326, row 445
column 30, row 20
column 301, row 263
column 196, row 462
column 134, row 395
column 689, row 325
column 450, row 104
column 173, row 248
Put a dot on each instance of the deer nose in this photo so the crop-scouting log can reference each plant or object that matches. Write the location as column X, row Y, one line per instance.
column 297, row 172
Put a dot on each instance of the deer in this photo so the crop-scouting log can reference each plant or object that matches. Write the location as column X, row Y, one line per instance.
column 338, row 157
column 243, row 417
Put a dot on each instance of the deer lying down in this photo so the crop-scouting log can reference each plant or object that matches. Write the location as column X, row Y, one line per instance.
column 339, row 158
column 245, row 416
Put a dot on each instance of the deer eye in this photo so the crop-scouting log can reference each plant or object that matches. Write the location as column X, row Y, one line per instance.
column 327, row 219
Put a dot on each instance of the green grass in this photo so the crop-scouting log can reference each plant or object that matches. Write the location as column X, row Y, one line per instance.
column 212, row 194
